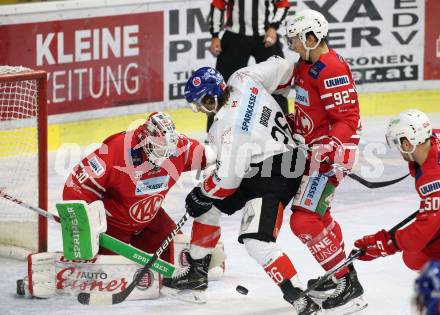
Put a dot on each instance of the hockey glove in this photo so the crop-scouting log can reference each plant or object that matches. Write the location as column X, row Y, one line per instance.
column 376, row 245
column 328, row 150
column 197, row 203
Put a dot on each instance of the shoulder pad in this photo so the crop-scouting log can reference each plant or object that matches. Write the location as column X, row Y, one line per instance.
column 113, row 137
column 316, row 69
column 340, row 58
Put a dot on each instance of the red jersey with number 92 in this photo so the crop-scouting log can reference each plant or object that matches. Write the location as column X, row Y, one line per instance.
column 326, row 101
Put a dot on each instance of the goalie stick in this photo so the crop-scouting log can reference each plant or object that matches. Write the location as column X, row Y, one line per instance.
column 355, row 254
column 106, row 241
column 88, row 298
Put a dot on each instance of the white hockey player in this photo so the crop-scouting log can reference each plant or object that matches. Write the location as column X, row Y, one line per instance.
column 255, row 171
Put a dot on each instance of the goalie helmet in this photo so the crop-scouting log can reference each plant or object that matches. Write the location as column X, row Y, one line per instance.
column 413, row 125
column 427, row 289
column 204, row 81
column 157, row 137
column 305, row 22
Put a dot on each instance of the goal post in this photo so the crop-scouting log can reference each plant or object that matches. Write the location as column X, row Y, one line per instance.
column 23, row 159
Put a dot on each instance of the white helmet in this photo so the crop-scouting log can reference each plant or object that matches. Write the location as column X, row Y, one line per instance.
column 304, row 22
column 158, row 137
column 411, row 124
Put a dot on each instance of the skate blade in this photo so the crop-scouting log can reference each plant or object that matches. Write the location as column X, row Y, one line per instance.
column 190, row 296
column 320, row 295
column 353, row 306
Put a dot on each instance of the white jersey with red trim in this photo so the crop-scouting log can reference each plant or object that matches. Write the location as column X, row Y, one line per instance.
column 251, row 126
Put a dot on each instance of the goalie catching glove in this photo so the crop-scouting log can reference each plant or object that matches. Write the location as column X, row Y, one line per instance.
column 376, row 245
column 81, row 225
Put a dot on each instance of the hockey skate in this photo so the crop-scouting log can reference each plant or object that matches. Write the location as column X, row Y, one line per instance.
column 322, row 291
column 190, row 283
column 304, row 305
column 347, row 296
column 325, row 289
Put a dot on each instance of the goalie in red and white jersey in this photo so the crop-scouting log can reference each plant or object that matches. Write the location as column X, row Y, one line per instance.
column 131, row 173
column 327, row 121
column 411, row 132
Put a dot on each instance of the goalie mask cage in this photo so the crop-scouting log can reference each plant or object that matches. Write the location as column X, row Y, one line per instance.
column 23, row 159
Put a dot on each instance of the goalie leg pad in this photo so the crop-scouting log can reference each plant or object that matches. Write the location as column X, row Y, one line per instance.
column 50, row 274
column 40, row 279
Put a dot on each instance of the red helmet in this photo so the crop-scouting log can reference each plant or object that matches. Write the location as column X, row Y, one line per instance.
column 157, row 137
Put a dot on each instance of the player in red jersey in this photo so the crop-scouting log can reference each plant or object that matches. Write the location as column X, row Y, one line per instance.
column 411, row 132
column 131, row 173
column 327, row 121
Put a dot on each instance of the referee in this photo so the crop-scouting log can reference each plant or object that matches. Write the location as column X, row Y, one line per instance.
column 250, row 30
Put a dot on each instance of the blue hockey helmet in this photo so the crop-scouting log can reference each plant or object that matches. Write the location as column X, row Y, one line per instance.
column 428, row 288
column 204, row 81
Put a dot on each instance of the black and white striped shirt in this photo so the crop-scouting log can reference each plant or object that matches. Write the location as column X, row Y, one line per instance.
column 247, row 17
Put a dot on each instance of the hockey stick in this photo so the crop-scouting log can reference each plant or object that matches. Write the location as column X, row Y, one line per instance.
column 360, row 180
column 106, row 241
column 373, row 185
column 355, row 254
column 88, row 298
column 355, row 177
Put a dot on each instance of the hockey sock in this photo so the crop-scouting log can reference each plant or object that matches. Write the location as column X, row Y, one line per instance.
column 204, row 238
column 276, row 264
column 323, row 237
column 281, row 269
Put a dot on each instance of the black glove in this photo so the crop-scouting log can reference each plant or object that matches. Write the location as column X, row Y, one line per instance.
column 197, row 203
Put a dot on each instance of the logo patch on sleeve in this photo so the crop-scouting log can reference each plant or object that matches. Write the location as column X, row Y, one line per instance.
column 316, row 69
column 96, row 166
column 247, row 114
column 336, row 81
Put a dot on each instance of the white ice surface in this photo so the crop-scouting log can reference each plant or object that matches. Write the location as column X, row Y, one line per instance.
column 387, row 282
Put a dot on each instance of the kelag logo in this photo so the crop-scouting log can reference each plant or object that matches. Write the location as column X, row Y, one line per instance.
column 146, row 209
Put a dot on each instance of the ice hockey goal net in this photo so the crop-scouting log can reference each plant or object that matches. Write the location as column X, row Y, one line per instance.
column 23, row 159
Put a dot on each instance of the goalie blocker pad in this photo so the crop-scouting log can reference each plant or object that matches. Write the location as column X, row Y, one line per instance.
column 81, row 225
column 50, row 274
